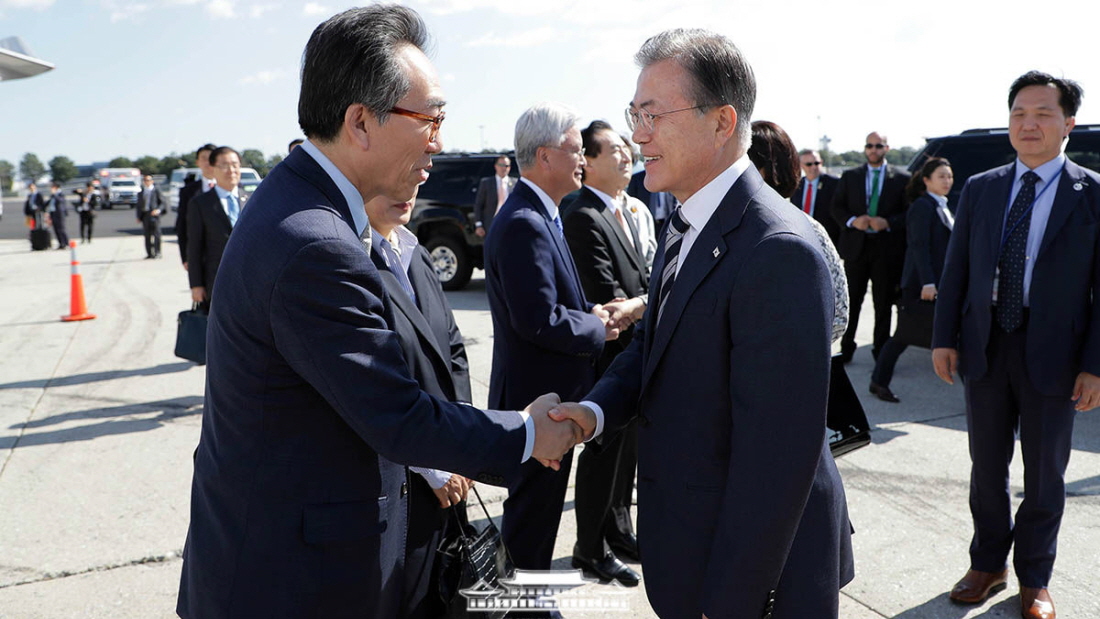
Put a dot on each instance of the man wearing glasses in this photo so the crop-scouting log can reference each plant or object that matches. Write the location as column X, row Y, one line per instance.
column 870, row 206
column 492, row 191
column 814, row 194
column 211, row 217
column 300, row 495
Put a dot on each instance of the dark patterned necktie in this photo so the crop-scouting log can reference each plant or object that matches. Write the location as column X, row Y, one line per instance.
column 398, row 269
column 674, row 238
column 1010, row 289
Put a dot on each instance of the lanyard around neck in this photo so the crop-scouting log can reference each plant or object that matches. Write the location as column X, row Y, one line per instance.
column 1027, row 212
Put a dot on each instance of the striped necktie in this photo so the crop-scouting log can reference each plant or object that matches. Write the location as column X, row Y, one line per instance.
column 674, row 238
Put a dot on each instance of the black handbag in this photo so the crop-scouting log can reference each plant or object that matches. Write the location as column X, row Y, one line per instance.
column 915, row 322
column 846, row 421
column 191, row 335
column 469, row 559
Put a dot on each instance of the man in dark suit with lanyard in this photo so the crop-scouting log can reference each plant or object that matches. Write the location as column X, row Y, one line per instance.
column 547, row 335
column 1018, row 317
column 869, row 206
column 608, row 254
column 814, row 194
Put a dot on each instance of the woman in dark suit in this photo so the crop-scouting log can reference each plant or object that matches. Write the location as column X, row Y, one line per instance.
column 928, row 224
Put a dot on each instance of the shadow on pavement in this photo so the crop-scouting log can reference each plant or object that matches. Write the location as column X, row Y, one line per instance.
column 942, row 608
column 91, row 377
column 167, row 409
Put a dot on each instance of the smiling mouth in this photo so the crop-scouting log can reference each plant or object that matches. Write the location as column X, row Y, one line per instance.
column 649, row 159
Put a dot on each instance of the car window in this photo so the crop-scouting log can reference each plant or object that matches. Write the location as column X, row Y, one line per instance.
column 249, row 175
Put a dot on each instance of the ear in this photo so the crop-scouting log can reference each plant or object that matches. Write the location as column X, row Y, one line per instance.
column 726, row 128
column 358, row 123
column 542, row 157
column 1071, row 122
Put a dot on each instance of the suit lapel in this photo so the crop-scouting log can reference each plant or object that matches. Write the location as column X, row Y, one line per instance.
column 1000, row 188
column 1067, row 199
column 405, row 305
column 706, row 252
column 636, row 252
column 618, row 232
column 533, row 199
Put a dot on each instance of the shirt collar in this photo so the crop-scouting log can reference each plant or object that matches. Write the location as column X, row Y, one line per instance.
column 350, row 193
column 940, row 200
column 881, row 167
column 699, row 208
column 611, row 204
column 551, row 208
column 406, row 245
column 1045, row 171
column 223, row 193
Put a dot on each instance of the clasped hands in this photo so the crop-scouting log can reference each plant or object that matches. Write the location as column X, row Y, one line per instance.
column 558, row 428
column 878, row 224
column 619, row 314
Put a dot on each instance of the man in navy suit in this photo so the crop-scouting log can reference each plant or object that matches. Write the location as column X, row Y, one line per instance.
column 1018, row 317
column 211, row 218
column 193, row 187
column 300, row 497
column 741, row 511
column 491, row 193
column 814, row 194
column 546, row 335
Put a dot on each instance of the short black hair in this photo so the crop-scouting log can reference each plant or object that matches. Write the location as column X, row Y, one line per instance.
column 1070, row 92
column 221, row 150
column 352, row 58
column 207, row 146
column 588, row 137
column 293, row 143
column 774, row 154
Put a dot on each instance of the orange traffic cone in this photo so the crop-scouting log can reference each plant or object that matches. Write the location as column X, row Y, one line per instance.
column 78, row 309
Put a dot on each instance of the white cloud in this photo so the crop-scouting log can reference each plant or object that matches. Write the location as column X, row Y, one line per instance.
column 26, row 4
column 266, row 76
column 314, row 9
column 221, row 9
column 525, row 38
column 257, row 11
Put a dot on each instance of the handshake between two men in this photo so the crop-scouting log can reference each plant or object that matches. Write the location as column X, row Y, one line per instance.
column 559, row 427
column 618, row 314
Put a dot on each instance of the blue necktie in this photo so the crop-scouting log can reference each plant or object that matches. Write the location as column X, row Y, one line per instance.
column 1010, row 289
column 561, row 229
column 396, row 268
column 234, row 209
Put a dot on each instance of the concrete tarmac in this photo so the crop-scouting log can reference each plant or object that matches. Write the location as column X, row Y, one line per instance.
column 98, row 421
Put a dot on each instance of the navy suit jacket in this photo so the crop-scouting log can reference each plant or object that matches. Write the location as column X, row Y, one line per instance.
column 298, row 504
column 1063, row 331
column 823, row 203
column 739, row 499
column 850, row 200
column 544, row 338
column 208, row 230
column 926, row 246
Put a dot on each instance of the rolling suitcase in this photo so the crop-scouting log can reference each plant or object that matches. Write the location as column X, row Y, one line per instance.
column 40, row 239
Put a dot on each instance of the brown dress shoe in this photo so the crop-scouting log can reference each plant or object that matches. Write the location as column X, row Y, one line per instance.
column 976, row 587
column 1036, row 603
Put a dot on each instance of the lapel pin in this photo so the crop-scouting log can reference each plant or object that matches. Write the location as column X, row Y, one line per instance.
column 716, row 252
column 1078, row 186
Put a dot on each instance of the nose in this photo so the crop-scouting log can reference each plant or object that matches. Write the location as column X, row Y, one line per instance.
column 435, row 146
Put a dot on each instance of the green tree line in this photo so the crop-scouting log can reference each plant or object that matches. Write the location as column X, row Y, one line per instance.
column 63, row 169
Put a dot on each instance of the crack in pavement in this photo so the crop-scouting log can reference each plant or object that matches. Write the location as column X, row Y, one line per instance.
column 164, row 558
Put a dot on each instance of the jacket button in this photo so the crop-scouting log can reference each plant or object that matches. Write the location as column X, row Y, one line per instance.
column 404, row 489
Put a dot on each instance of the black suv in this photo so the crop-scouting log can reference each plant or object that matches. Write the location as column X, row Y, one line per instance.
column 977, row 150
column 443, row 218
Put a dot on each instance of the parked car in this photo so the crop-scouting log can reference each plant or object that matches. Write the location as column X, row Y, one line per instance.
column 977, row 150
column 123, row 191
column 443, row 217
column 250, row 179
column 108, row 176
column 175, row 183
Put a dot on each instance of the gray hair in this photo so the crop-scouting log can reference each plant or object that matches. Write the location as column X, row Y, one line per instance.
column 720, row 75
column 352, row 58
column 543, row 124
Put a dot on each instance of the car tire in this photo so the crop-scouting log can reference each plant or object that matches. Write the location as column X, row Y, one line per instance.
column 452, row 262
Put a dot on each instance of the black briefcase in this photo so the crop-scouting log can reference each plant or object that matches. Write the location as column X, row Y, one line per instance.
column 472, row 561
column 846, row 422
column 191, row 335
column 915, row 319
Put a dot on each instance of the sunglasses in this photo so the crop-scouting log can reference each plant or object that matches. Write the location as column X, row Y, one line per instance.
column 811, row 164
column 874, row 146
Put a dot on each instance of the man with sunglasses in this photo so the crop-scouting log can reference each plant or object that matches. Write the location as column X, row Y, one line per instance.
column 300, row 494
column 492, row 191
column 870, row 207
column 814, row 194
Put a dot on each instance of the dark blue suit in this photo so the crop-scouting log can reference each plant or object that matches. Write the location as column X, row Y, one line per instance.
column 1023, row 379
column 544, row 340
column 740, row 505
column 299, row 498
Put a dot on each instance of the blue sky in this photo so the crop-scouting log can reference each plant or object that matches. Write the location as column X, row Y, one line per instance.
column 138, row 77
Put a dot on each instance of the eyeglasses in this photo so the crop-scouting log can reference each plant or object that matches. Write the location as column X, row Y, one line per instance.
column 874, row 146
column 225, row 167
column 435, row 120
column 642, row 118
column 579, row 154
column 504, row 165
column 810, row 164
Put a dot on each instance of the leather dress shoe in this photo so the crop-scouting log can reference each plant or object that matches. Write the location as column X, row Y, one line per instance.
column 608, row 568
column 884, row 393
column 976, row 587
column 1036, row 603
column 625, row 546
